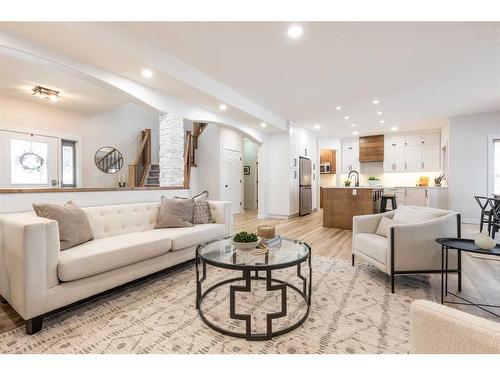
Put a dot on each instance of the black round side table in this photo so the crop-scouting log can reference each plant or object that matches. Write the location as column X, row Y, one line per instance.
column 466, row 245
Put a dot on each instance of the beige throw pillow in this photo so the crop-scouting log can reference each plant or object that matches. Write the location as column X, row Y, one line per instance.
column 175, row 213
column 384, row 225
column 74, row 227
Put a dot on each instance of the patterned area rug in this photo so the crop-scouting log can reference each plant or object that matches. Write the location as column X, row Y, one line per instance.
column 352, row 311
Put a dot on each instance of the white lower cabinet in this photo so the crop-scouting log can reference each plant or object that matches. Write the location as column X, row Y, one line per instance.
column 423, row 197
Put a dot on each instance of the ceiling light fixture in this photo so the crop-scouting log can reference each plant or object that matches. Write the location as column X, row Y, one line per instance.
column 295, row 31
column 147, row 73
column 263, row 125
column 346, row 118
column 379, row 113
column 338, row 108
column 222, row 107
column 394, row 128
column 355, row 132
column 45, row 93
column 381, row 121
column 317, row 126
column 353, row 125
column 375, row 101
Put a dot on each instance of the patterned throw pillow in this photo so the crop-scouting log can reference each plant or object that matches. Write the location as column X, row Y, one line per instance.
column 201, row 212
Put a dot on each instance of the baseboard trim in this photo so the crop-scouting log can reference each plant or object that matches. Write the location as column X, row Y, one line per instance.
column 283, row 217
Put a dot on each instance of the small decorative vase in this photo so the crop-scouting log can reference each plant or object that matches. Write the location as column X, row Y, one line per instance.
column 483, row 241
column 437, row 185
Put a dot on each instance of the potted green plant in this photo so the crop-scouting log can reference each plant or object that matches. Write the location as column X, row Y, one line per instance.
column 347, row 183
column 437, row 180
column 373, row 181
column 246, row 241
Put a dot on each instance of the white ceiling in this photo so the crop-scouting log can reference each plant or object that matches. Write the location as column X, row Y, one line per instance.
column 19, row 76
column 421, row 72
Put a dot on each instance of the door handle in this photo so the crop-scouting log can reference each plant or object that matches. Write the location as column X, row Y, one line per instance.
column 423, row 165
column 406, row 166
column 226, row 185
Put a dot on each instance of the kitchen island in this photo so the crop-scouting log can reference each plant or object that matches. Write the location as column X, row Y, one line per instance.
column 341, row 204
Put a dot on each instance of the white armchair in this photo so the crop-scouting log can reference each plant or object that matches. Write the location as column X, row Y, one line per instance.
column 410, row 246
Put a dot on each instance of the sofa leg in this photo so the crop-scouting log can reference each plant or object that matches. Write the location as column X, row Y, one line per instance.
column 3, row 301
column 34, row 325
column 353, row 259
column 392, row 283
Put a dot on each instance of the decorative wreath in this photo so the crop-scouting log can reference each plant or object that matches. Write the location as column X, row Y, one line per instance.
column 31, row 161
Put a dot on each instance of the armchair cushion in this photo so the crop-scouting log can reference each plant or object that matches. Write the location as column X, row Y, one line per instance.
column 383, row 227
column 373, row 246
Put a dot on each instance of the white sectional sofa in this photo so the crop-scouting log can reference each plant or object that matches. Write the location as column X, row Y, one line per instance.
column 36, row 277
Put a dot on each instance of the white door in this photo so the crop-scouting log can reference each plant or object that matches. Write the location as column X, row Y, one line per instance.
column 28, row 160
column 232, row 178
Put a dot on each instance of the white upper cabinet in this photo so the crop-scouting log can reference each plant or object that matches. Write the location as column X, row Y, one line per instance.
column 350, row 155
column 412, row 153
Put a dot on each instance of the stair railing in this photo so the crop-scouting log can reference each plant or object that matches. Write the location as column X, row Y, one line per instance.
column 139, row 169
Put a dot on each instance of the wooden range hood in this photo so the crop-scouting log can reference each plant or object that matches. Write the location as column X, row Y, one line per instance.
column 371, row 148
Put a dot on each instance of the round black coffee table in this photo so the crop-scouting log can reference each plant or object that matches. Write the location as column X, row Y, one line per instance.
column 221, row 254
column 466, row 245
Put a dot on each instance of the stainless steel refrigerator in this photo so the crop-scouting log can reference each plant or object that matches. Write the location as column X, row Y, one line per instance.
column 305, row 189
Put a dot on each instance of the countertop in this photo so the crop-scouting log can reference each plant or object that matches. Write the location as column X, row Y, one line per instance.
column 386, row 187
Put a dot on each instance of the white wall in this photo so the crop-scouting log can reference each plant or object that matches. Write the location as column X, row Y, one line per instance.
column 468, row 161
column 119, row 127
column 250, row 181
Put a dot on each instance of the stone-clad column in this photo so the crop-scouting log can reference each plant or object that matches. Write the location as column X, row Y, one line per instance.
column 171, row 150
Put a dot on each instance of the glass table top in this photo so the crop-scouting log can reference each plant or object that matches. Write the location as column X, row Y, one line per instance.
column 222, row 253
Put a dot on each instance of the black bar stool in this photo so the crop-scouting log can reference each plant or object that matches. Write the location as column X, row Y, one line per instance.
column 494, row 224
column 383, row 201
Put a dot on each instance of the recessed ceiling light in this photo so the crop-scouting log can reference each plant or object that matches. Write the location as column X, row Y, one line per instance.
column 394, row 128
column 355, row 132
column 379, row 113
column 317, row 126
column 263, row 125
column 222, row 107
column 147, row 73
column 295, row 31
column 375, row 101
column 381, row 121
column 338, row 108
column 353, row 125
column 346, row 118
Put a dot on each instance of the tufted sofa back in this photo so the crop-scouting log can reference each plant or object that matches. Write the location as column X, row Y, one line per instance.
column 107, row 221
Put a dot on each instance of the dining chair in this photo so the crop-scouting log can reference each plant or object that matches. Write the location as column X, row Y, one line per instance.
column 494, row 204
column 486, row 213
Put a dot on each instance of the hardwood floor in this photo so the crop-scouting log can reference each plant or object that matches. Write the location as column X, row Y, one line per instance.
column 481, row 278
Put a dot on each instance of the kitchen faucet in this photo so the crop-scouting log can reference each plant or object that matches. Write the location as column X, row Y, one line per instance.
column 356, row 184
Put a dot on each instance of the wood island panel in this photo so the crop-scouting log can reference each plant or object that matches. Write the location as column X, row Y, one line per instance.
column 339, row 206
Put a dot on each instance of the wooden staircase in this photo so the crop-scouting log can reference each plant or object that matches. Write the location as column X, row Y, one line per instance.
column 138, row 172
column 153, row 176
column 190, row 147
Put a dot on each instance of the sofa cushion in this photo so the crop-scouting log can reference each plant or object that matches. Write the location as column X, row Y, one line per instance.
column 187, row 237
column 384, row 225
column 175, row 213
column 74, row 227
column 372, row 245
column 409, row 214
column 108, row 253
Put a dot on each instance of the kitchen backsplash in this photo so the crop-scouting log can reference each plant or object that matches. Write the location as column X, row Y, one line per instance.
column 391, row 179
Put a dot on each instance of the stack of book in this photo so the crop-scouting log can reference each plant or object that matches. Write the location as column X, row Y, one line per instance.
column 271, row 242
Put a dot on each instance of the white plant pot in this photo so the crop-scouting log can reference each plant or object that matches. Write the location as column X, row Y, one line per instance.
column 246, row 245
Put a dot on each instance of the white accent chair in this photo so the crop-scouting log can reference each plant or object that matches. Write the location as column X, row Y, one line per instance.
column 439, row 329
column 410, row 246
column 37, row 278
